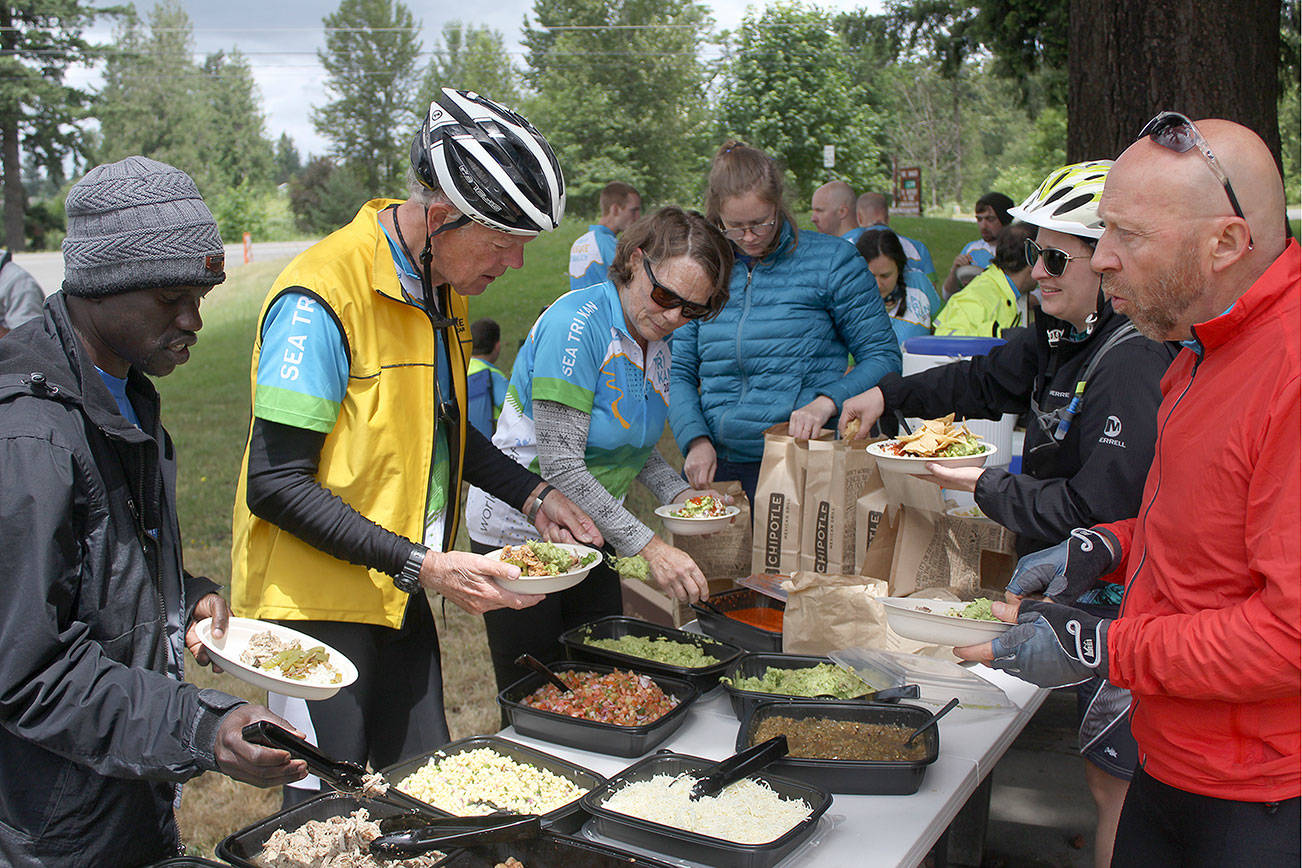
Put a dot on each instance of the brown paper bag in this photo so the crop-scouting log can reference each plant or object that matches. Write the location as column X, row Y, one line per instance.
column 726, row 554
column 933, row 550
column 836, row 475
column 778, row 495
column 827, row 613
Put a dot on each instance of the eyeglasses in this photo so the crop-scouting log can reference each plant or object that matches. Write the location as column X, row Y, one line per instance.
column 759, row 230
column 1175, row 132
column 1055, row 260
column 668, row 299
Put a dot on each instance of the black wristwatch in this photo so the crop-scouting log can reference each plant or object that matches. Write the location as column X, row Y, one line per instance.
column 408, row 580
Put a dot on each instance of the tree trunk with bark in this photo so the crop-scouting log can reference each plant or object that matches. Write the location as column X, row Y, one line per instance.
column 1130, row 59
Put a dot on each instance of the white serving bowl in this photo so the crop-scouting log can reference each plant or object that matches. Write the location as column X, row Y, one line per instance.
column 549, row 584
column 905, row 617
column 680, row 526
column 913, row 466
column 226, row 652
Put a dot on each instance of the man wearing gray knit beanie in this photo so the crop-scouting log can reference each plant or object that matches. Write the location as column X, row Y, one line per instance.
column 98, row 728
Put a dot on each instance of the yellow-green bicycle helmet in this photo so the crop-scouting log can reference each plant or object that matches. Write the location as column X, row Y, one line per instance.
column 1068, row 200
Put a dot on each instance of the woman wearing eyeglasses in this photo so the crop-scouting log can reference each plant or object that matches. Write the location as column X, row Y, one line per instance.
column 777, row 352
column 588, row 400
column 1091, row 385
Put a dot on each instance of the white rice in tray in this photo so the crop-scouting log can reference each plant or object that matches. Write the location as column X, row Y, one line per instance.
column 747, row 812
column 482, row 775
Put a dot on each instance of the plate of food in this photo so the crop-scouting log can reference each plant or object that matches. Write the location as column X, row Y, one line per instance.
column 277, row 658
column 546, row 567
column 935, row 440
column 698, row 515
column 943, row 622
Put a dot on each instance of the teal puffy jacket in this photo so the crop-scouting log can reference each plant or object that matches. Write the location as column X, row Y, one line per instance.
column 784, row 338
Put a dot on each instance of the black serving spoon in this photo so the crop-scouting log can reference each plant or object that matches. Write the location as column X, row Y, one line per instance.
column 532, row 662
column 931, row 721
column 737, row 766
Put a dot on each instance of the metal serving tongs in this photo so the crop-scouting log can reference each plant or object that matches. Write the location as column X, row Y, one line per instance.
column 737, row 766
column 408, row 835
column 346, row 777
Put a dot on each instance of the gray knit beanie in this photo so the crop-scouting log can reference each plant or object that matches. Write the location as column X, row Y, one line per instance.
column 138, row 224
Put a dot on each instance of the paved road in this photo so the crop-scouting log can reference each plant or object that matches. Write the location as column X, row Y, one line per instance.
column 47, row 266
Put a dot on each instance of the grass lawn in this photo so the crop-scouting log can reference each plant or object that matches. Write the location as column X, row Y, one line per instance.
column 206, row 408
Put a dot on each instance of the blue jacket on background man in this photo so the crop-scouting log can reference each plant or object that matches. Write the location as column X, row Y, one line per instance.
column 785, row 336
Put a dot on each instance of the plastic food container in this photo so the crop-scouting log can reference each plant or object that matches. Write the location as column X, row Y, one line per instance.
column 549, row 851
column 730, row 629
column 753, row 665
column 680, row 843
column 243, row 847
column 617, row 626
column 567, row 818
column 865, row 777
column 609, row 738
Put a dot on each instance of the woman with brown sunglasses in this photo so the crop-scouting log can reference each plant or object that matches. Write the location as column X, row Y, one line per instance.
column 588, row 401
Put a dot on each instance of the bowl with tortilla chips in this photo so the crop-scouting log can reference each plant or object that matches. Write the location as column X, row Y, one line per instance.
column 937, row 441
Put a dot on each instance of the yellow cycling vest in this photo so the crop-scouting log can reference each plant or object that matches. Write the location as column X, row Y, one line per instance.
column 377, row 457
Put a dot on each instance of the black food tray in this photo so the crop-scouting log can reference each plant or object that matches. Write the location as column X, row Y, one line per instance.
column 734, row 631
column 568, row 818
column 549, row 851
column 861, row 777
column 753, row 666
column 188, row 862
column 618, row 626
column 241, row 848
column 682, row 844
column 608, row 738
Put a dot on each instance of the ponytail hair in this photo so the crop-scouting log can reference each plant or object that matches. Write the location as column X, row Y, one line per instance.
column 737, row 170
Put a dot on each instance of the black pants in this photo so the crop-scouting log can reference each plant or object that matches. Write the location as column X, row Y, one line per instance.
column 535, row 630
column 395, row 708
column 1161, row 825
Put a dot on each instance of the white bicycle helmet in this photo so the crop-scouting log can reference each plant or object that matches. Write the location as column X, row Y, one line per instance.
column 494, row 166
column 1068, row 200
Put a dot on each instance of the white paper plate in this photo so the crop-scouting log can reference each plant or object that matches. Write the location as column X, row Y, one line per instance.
column 226, row 653
column 886, row 460
column 904, row 617
column 549, row 584
column 680, row 526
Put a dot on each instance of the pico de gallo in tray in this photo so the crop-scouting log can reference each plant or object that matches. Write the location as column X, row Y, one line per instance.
column 622, row 698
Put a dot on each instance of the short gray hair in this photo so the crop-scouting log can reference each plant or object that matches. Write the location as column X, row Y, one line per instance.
column 422, row 195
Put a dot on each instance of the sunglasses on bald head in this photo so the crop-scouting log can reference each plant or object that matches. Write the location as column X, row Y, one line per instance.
column 668, row 299
column 1177, row 133
column 1055, row 260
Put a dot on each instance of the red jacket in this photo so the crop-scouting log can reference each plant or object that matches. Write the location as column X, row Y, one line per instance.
column 1208, row 637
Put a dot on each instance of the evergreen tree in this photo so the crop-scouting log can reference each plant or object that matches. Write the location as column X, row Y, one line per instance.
column 370, row 62
column 39, row 41
column 474, row 58
column 288, row 162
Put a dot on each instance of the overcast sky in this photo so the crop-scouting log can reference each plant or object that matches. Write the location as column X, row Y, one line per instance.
column 281, row 37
